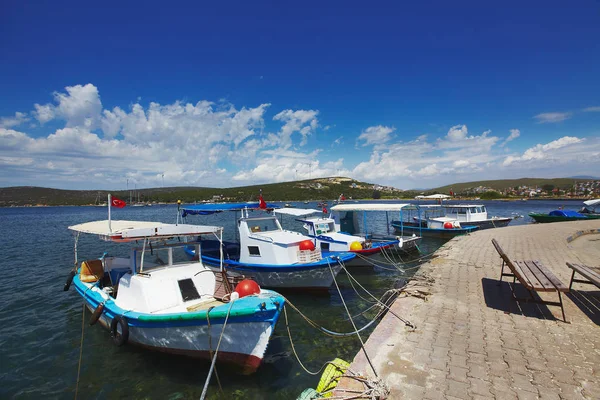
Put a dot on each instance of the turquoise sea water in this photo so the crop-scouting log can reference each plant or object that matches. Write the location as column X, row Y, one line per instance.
column 40, row 325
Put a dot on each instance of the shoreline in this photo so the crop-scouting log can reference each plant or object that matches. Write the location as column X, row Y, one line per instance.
column 464, row 199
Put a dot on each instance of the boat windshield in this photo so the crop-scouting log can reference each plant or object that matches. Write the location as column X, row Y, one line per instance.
column 263, row 225
column 324, row 227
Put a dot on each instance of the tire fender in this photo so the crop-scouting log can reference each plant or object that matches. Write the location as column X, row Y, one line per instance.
column 119, row 338
column 69, row 280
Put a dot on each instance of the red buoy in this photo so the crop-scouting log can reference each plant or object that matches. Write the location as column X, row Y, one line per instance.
column 247, row 287
column 448, row 225
column 307, row 245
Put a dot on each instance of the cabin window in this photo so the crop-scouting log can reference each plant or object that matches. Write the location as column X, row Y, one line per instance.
column 324, row 246
column 254, row 251
column 474, row 209
column 483, row 209
column 268, row 225
column 462, row 210
column 188, row 290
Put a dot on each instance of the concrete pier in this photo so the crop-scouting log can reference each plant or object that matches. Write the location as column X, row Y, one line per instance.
column 473, row 341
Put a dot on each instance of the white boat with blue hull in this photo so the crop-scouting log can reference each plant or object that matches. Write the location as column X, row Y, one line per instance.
column 327, row 235
column 274, row 257
column 178, row 308
column 472, row 215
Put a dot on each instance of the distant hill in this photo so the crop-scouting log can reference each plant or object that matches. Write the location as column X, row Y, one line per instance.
column 591, row 178
column 311, row 189
column 562, row 183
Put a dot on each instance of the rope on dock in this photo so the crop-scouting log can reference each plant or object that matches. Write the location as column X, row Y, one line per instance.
column 80, row 350
column 214, row 360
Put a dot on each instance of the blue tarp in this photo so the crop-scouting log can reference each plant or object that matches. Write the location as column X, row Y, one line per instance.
column 565, row 213
column 211, row 208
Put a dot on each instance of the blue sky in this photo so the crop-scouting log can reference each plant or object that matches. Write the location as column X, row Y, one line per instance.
column 411, row 95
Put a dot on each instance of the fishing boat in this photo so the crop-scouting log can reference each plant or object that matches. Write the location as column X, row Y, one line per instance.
column 272, row 256
column 568, row 215
column 151, row 301
column 474, row 215
column 342, row 230
column 430, row 221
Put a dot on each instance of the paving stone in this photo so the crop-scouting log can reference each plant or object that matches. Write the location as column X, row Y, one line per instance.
column 570, row 391
column 458, row 373
column 526, row 395
column 459, row 361
column 480, row 387
column 457, row 389
column 523, row 382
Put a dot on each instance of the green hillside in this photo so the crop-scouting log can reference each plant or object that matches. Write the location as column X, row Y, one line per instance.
column 312, row 189
column 561, row 183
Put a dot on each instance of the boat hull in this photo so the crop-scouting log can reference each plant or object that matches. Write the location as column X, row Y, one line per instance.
column 313, row 276
column 545, row 218
column 489, row 223
column 245, row 337
column 432, row 232
column 409, row 245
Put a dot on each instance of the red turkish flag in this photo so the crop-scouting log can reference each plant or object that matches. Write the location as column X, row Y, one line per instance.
column 324, row 210
column 261, row 202
column 117, row 203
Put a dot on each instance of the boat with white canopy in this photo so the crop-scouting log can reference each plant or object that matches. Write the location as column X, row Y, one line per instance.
column 269, row 254
column 351, row 227
column 429, row 220
column 472, row 215
column 149, row 299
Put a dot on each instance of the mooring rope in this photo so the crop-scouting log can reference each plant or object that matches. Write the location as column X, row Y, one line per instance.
column 210, row 346
column 406, row 322
column 362, row 344
column 212, row 365
column 80, row 350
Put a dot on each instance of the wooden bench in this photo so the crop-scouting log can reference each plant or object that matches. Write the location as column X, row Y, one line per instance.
column 534, row 276
column 592, row 275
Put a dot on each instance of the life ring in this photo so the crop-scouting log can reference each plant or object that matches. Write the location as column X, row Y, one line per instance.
column 97, row 314
column 69, row 280
column 119, row 338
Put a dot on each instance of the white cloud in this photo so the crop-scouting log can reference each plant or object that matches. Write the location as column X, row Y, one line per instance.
column 552, row 117
column 544, row 151
column 418, row 161
column 18, row 119
column 79, row 106
column 43, row 113
column 457, row 133
column 376, row 135
column 303, row 121
column 591, row 109
column 288, row 166
column 514, row 133
column 218, row 144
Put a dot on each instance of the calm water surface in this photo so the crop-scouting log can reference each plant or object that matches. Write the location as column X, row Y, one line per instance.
column 40, row 325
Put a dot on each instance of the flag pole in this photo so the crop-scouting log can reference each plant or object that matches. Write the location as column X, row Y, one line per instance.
column 109, row 204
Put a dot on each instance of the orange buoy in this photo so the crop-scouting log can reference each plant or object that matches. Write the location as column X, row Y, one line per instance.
column 247, row 287
column 307, row 245
column 448, row 225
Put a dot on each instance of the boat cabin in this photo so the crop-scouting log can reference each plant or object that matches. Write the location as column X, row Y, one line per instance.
column 466, row 212
column 264, row 241
column 325, row 230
